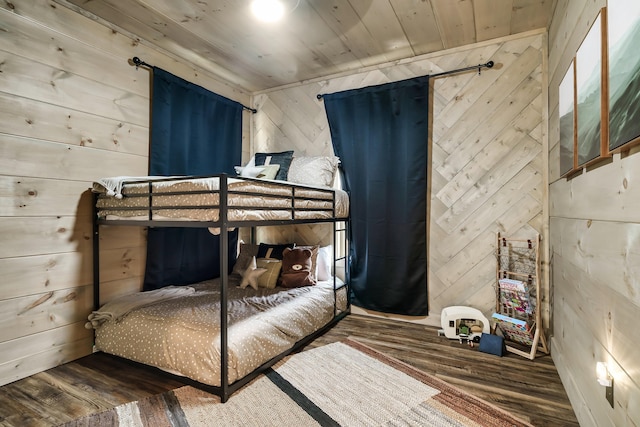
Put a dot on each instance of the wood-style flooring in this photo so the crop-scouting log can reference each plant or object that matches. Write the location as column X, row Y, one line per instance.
column 530, row 390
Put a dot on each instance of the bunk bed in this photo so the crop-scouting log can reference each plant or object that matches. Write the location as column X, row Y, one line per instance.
column 220, row 203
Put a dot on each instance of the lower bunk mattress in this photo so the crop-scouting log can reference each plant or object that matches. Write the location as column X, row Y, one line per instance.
column 181, row 334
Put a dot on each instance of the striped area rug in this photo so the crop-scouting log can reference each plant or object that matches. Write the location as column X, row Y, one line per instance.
column 339, row 384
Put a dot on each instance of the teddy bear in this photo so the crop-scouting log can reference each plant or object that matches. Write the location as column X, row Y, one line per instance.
column 296, row 268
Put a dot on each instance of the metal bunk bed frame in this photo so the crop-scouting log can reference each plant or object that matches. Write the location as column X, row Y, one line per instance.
column 224, row 224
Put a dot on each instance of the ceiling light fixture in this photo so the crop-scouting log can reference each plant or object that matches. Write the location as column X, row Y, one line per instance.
column 268, row 10
column 272, row 10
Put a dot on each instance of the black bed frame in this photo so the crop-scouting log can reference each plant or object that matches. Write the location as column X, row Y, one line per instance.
column 224, row 224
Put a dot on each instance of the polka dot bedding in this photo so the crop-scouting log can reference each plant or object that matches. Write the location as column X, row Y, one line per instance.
column 182, row 335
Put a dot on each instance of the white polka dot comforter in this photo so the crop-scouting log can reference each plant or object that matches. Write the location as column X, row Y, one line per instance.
column 181, row 335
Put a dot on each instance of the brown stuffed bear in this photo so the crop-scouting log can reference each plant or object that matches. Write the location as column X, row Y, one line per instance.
column 296, row 268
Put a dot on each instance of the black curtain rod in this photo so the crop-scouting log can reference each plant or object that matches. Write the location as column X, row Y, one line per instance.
column 460, row 70
column 140, row 63
column 445, row 73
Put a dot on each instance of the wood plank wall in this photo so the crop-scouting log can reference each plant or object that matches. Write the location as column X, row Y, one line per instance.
column 594, row 229
column 71, row 111
column 487, row 165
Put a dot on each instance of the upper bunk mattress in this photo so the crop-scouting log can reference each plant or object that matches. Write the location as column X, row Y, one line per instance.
column 182, row 334
column 198, row 199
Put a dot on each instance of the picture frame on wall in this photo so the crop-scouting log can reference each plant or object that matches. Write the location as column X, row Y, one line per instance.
column 623, row 41
column 588, row 75
column 567, row 121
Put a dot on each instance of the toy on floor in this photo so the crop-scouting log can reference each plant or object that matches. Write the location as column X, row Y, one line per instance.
column 463, row 323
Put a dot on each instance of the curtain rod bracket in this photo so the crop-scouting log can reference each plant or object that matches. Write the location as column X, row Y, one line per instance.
column 487, row 65
column 139, row 62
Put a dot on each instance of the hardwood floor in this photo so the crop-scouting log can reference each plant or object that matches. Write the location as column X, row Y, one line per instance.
column 530, row 390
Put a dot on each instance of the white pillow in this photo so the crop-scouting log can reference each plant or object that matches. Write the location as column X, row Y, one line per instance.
column 249, row 171
column 269, row 172
column 265, row 172
column 318, row 171
column 324, row 263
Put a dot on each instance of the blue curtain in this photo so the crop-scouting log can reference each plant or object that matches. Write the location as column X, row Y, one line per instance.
column 380, row 134
column 193, row 132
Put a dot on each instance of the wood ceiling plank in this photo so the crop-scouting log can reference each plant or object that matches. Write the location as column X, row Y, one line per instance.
column 217, row 32
column 380, row 20
column 147, row 23
column 341, row 17
column 530, row 15
column 280, row 52
column 327, row 50
column 456, row 22
column 271, row 48
column 310, row 47
column 319, row 38
column 419, row 23
column 493, row 18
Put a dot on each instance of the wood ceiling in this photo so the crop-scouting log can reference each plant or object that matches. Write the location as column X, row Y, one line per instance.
column 318, row 37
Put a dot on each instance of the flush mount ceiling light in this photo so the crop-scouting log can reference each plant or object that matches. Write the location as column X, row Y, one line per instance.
column 272, row 10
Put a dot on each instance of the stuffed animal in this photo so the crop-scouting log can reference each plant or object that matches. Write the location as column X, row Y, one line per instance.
column 251, row 274
column 296, row 268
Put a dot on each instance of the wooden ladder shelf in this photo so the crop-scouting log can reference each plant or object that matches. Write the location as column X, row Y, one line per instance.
column 519, row 261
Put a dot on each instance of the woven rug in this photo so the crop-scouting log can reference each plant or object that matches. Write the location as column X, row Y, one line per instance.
column 340, row 384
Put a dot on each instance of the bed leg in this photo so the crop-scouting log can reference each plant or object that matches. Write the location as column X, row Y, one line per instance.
column 96, row 253
column 224, row 283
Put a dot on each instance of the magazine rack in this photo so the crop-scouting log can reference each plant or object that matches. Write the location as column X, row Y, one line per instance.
column 518, row 296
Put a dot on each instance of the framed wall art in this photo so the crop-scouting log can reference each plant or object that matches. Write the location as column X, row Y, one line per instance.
column 623, row 36
column 588, row 63
column 567, row 122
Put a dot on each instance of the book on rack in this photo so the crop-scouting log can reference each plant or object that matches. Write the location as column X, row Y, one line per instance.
column 513, row 329
column 514, row 295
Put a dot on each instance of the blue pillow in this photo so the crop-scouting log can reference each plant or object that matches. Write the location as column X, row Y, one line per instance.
column 283, row 159
column 266, row 250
